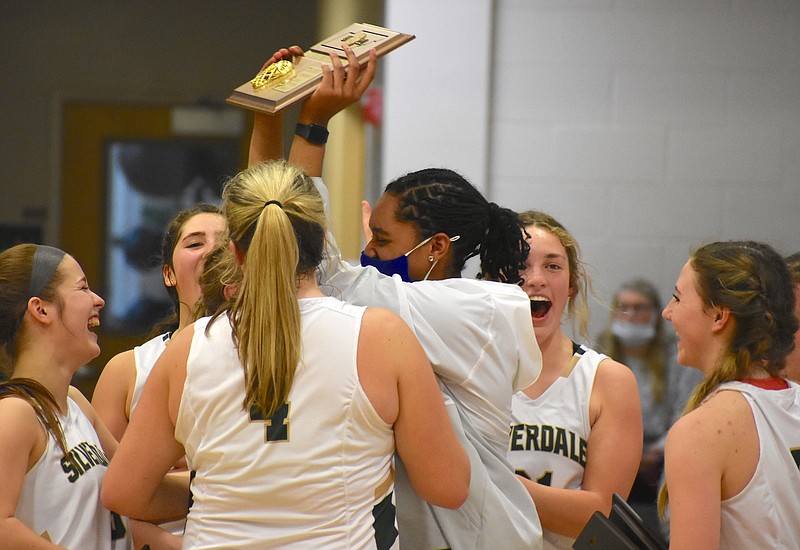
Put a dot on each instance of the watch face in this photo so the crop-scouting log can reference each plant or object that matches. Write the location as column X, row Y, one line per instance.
column 314, row 133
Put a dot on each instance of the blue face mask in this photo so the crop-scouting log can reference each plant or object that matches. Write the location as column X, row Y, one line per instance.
column 396, row 266
column 399, row 265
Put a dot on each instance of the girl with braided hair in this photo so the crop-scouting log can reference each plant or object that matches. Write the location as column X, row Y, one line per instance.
column 477, row 334
column 732, row 462
column 442, row 214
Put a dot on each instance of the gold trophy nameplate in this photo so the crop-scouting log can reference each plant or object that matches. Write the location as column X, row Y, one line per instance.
column 283, row 83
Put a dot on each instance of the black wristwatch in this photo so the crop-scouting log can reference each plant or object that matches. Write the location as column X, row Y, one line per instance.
column 312, row 133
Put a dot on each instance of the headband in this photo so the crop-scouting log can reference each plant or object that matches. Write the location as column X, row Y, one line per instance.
column 45, row 263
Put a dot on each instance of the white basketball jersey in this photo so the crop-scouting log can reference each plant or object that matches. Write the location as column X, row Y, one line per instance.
column 144, row 357
column 766, row 514
column 549, row 434
column 317, row 474
column 60, row 501
column 479, row 339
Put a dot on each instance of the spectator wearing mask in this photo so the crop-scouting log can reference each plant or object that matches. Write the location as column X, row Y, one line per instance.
column 637, row 336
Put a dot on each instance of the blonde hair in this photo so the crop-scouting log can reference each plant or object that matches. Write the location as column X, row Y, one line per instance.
column 752, row 281
column 579, row 282
column 276, row 218
column 219, row 272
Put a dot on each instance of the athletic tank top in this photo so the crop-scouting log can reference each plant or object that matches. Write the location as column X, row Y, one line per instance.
column 144, row 357
column 60, row 501
column 317, row 474
column 766, row 514
column 549, row 434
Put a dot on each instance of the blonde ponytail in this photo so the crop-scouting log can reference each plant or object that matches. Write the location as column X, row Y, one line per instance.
column 270, row 208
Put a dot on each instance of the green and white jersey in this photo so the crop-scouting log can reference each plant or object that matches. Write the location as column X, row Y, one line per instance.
column 479, row 339
column 60, row 499
column 317, row 474
column 549, row 434
column 144, row 357
column 766, row 514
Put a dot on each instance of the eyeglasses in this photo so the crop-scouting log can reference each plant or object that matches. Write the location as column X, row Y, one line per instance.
column 633, row 309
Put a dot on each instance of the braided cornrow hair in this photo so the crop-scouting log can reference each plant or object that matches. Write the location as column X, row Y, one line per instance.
column 753, row 281
column 438, row 200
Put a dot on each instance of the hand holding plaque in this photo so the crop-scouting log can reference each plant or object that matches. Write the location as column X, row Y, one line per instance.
column 283, row 83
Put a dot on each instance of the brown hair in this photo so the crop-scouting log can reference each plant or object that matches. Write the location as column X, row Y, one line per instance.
column 43, row 403
column 16, row 268
column 793, row 262
column 753, row 281
column 168, row 243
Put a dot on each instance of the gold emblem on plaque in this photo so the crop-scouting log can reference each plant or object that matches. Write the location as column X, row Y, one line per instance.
column 356, row 39
column 273, row 74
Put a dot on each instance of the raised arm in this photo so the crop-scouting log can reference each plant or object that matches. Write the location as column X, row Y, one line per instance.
column 339, row 88
column 266, row 141
column 612, row 456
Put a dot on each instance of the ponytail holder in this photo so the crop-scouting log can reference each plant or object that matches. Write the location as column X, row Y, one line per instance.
column 273, row 202
column 494, row 208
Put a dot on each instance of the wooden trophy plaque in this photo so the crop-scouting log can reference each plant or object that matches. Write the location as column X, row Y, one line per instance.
column 284, row 83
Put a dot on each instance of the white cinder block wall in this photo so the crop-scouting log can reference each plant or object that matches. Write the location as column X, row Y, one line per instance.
column 647, row 127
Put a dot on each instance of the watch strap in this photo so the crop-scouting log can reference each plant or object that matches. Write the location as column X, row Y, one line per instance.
column 312, row 133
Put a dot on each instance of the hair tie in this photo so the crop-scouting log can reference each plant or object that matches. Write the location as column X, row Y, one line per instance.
column 273, row 202
column 45, row 263
column 494, row 209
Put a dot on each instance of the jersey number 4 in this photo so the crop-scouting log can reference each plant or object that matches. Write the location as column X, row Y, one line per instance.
column 276, row 427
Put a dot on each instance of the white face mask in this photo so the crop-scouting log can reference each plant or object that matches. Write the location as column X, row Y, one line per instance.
column 633, row 334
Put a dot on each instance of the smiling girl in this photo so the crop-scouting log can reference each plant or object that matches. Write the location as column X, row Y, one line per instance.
column 191, row 235
column 732, row 464
column 189, row 238
column 576, row 433
column 54, row 449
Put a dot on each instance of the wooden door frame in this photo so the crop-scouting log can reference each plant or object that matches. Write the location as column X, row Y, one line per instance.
column 87, row 127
